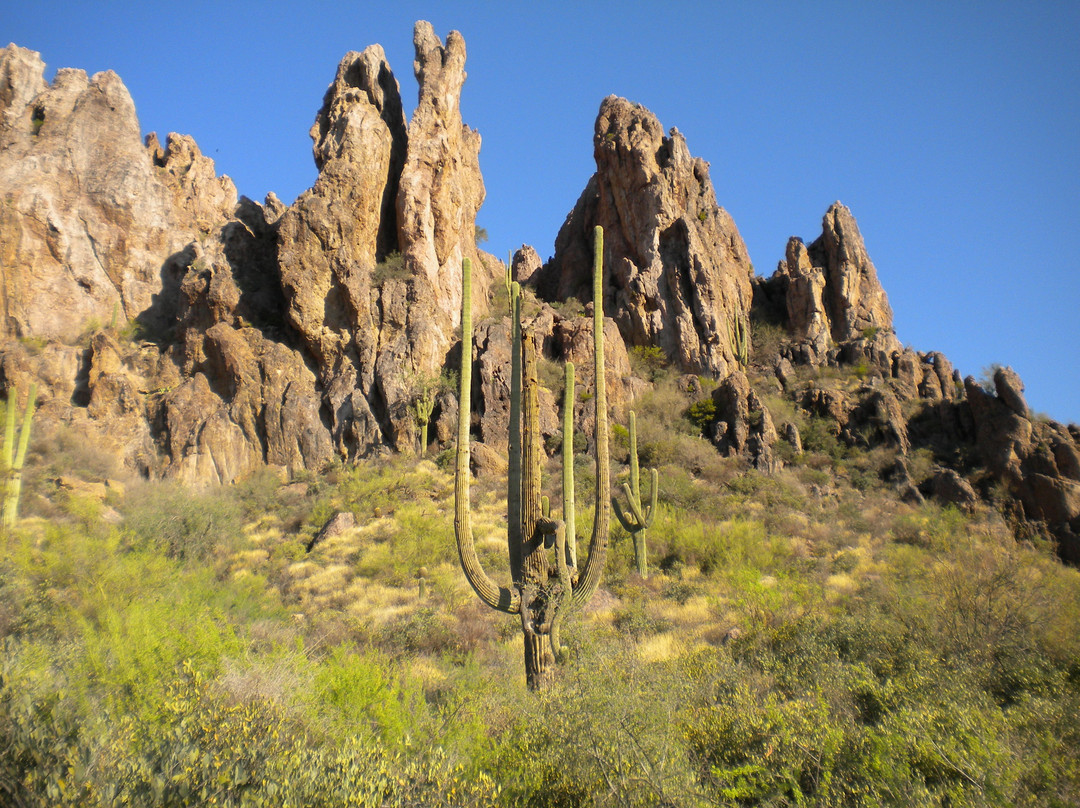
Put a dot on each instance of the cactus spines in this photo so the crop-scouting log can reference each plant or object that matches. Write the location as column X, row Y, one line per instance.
column 12, row 457
column 508, row 282
column 541, row 592
column 639, row 519
column 568, row 466
column 498, row 597
column 740, row 343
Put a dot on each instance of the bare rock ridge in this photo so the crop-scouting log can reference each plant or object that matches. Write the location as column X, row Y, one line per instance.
column 88, row 219
column 830, row 289
column 185, row 333
column 272, row 335
column 677, row 273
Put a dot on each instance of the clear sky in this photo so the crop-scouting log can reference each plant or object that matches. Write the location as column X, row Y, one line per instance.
column 951, row 129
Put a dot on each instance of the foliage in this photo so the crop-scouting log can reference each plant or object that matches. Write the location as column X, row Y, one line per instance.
column 805, row 639
column 390, row 268
column 702, row 413
column 648, row 362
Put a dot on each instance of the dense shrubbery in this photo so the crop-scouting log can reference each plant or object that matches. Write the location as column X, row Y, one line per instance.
column 807, row 640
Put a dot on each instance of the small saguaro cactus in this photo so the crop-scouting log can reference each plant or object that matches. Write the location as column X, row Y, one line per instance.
column 740, row 343
column 543, row 589
column 639, row 519
column 422, row 406
column 421, row 583
column 13, row 458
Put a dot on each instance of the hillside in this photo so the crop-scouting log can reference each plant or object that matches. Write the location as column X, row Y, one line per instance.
column 804, row 638
column 234, row 580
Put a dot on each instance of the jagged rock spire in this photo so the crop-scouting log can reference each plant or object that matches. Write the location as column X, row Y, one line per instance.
column 679, row 274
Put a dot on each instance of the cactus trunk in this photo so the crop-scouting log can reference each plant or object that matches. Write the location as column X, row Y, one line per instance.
column 13, row 458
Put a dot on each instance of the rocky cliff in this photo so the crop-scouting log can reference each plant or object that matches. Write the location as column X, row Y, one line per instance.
column 200, row 336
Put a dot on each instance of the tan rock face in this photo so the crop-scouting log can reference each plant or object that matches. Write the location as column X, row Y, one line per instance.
column 88, row 221
column 677, row 273
column 1039, row 462
column 286, row 336
column 856, row 299
column 441, row 186
column 375, row 324
column 831, row 288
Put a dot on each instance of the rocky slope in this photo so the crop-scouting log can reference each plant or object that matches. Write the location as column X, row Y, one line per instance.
column 186, row 333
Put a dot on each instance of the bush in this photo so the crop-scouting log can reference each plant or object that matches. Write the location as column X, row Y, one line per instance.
column 180, row 523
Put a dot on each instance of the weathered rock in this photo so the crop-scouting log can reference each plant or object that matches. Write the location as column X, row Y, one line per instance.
column 485, row 462
column 373, row 326
column 526, row 265
column 937, row 378
column 1039, row 463
column 1010, row 390
column 336, row 525
column 88, row 221
column 907, row 372
column 791, row 435
column 831, row 291
column 856, row 298
column 744, row 425
column 829, row 404
column 952, row 489
column 677, row 274
column 808, row 320
column 441, row 188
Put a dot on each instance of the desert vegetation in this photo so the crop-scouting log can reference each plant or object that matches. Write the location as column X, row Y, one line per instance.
column 805, row 638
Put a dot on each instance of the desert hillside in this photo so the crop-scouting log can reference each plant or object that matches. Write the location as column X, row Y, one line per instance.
column 229, row 572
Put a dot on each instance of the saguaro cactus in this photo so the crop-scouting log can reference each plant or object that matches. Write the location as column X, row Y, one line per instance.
column 422, row 406
column 639, row 519
column 13, row 458
column 740, row 343
column 543, row 589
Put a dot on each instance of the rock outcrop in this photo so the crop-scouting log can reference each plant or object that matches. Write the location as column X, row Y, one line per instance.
column 371, row 256
column 677, row 273
column 279, row 336
column 743, row 425
column 830, row 290
column 1037, row 461
column 90, row 216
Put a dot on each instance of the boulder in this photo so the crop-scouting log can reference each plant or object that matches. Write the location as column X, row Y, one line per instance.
column 744, row 425
column 831, row 290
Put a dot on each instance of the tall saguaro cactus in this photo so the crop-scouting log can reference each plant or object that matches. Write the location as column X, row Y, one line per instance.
column 639, row 519
column 543, row 588
column 12, row 458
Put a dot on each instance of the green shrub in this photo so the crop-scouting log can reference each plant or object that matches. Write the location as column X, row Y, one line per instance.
column 180, row 523
column 391, row 268
column 648, row 362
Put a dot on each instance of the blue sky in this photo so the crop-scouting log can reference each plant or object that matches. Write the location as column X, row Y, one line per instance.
column 952, row 130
